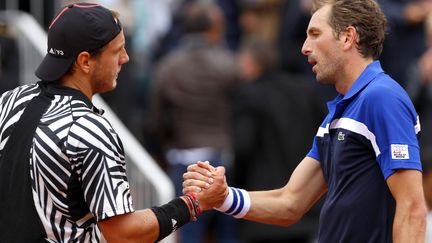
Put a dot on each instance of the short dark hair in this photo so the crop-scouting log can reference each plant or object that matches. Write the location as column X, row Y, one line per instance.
column 263, row 52
column 365, row 16
column 197, row 17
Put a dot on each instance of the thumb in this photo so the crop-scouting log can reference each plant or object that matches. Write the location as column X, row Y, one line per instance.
column 220, row 170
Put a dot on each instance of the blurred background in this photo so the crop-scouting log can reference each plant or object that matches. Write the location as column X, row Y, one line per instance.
column 224, row 81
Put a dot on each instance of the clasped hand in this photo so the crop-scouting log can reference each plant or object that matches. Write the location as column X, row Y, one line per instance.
column 207, row 182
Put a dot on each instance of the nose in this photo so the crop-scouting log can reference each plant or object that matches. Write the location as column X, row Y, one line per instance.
column 124, row 57
column 306, row 49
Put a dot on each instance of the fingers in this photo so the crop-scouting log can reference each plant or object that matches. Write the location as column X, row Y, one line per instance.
column 220, row 170
column 199, row 176
column 207, row 182
column 203, row 168
column 192, row 189
column 197, row 183
column 215, row 195
column 206, row 165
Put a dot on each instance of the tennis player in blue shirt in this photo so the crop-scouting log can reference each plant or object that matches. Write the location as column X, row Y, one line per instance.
column 365, row 155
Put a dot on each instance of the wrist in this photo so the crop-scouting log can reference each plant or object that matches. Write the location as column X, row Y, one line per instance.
column 237, row 203
column 193, row 204
column 171, row 216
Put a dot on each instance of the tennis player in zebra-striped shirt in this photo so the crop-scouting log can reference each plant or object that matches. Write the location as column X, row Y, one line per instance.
column 62, row 165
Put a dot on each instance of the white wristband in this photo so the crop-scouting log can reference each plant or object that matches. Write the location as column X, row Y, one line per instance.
column 237, row 203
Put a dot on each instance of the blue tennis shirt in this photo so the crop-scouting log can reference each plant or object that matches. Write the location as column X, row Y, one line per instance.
column 367, row 135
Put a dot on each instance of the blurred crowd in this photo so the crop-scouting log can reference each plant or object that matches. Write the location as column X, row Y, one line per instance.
column 225, row 81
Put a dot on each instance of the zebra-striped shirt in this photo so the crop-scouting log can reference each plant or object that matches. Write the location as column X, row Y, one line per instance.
column 77, row 164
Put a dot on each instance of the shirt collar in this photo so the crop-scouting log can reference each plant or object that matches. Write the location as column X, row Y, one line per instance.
column 372, row 70
column 369, row 74
column 57, row 89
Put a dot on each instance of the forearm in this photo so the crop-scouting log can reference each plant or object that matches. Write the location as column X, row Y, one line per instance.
column 150, row 225
column 410, row 217
column 409, row 223
column 139, row 226
column 282, row 206
column 270, row 207
column 287, row 205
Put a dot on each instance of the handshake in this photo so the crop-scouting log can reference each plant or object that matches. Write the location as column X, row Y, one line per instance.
column 208, row 184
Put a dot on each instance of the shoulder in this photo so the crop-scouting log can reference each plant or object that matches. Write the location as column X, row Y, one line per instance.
column 93, row 123
column 21, row 91
column 18, row 97
column 385, row 101
column 93, row 131
column 384, row 92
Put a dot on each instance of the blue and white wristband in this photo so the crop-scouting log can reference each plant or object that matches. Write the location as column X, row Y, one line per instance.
column 236, row 204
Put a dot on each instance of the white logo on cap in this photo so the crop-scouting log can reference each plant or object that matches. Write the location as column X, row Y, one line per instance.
column 56, row 52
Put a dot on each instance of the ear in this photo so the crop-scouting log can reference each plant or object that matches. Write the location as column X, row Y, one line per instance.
column 83, row 62
column 350, row 38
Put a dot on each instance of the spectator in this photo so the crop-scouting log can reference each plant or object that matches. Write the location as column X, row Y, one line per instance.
column 405, row 41
column 9, row 60
column 294, row 21
column 266, row 109
column 191, row 109
column 419, row 87
column 365, row 155
column 62, row 164
column 427, row 184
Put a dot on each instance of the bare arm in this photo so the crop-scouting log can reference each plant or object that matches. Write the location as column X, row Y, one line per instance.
column 143, row 226
column 283, row 206
column 287, row 205
column 139, row 226
column 410, row 217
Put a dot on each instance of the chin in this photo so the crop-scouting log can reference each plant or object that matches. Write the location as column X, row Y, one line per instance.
column 323, row 79
column 108, row 88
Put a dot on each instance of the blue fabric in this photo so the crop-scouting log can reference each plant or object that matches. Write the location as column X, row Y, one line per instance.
column 367, row 135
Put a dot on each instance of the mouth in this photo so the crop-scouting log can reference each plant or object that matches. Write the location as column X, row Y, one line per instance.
column 312, row 62
column 118, row 72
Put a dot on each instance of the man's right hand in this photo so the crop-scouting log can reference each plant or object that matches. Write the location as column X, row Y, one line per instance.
column 207, row 182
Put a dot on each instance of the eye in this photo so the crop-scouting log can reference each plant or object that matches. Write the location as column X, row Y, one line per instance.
column 314, row 33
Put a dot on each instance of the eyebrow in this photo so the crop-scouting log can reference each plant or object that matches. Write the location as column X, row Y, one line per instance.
column 123, row 45
column 312, row 29
column 119, row 47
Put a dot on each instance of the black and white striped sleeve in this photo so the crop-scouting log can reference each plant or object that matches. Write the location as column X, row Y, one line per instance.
column 97, row 155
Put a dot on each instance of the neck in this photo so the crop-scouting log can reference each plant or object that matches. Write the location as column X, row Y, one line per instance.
column 353, row 69
column 78, row 83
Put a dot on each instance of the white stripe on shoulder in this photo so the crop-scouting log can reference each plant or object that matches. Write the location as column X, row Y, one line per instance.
column 322, row 131
column 356, row 127
column 417, row 126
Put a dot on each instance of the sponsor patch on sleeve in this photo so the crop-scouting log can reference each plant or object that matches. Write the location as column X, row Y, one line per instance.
column 399, row 151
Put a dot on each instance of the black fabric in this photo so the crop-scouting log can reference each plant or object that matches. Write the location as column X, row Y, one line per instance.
column 174, row 210
column 78, row 27
column 19, row 221
column 274, row 123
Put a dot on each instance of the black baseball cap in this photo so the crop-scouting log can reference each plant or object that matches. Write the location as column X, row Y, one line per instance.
column 78, row 27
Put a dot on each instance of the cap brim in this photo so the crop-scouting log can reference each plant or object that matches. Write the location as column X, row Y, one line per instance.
column 53, row 68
